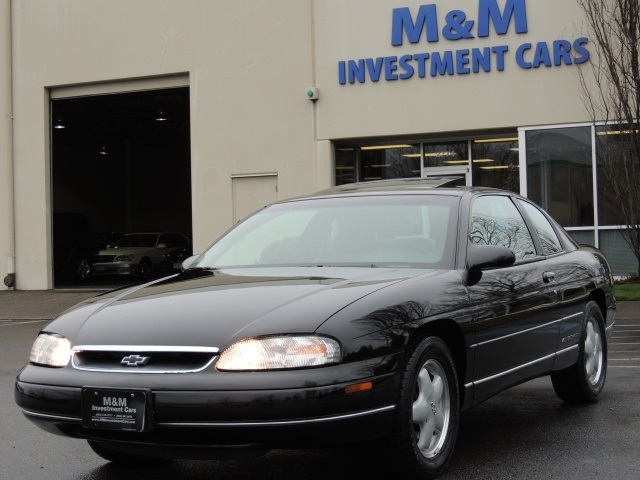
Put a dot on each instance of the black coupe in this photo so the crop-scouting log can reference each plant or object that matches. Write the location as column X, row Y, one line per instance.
column 369, row 311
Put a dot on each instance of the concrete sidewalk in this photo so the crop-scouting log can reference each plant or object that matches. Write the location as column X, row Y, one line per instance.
column 39, row 304
column 47, row 304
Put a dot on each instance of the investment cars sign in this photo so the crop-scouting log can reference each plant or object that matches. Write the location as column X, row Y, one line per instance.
column 426, row 26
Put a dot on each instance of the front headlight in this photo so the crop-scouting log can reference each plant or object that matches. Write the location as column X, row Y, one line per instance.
column 51, row 350
column 268, row 353
column 125, row 258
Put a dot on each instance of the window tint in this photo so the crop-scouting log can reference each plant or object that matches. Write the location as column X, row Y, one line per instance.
column 495, row 220
column 546, row 233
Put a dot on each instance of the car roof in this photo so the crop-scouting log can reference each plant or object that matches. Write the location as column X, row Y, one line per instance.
column 431, row 185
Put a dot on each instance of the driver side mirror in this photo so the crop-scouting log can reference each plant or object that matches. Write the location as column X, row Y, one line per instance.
column 480, row 257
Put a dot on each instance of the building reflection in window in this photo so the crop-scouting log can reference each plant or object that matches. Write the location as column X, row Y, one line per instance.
column 559, row 173
column 381, row 162
column 446, row 154
column 495, row 163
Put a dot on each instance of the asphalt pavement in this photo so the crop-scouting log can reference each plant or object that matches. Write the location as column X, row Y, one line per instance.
column 523, row 433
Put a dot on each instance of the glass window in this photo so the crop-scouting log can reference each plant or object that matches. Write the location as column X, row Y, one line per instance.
column 547, row 235
column 380, row 162
column 345, row 165
column 559, row 173
column 495, row 220
column 446, row 154
column 581, row 236
column 496, row 163
column 623, row 262
column 402, row 231
column 616, row 164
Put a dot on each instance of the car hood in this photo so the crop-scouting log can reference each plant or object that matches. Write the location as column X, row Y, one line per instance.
column 204, row 308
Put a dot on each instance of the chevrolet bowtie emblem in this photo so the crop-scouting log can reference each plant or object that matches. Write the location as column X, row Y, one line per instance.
column 134, row 361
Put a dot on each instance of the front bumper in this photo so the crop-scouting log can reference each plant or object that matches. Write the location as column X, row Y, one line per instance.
column 224, row 423
column 114, row 268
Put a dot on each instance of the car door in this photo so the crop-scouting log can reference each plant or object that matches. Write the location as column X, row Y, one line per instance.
column 516, row 319
column 570, row 279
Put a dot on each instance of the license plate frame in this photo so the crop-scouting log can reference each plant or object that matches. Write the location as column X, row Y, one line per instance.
column 115, row 409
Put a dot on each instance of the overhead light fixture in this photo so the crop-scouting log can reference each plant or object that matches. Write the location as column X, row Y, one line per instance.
column 339, row 167
column 385, row 147
column 456, row 162
column 496, row 140
column 161, row 116
column 412, row 155
column 483, row 160
column 385, row 165
column 103, row 150
column 59, row 125
column 514, row 149
column 499, row 167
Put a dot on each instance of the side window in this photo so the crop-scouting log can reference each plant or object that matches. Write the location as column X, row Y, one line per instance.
column 550, row 242
column 495, row 220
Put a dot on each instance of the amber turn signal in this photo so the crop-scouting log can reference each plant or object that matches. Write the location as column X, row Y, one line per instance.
column 358, row 387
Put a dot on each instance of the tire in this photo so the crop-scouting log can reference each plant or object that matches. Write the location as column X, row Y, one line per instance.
column 83, row 269
column 426, row 427
column 583, row 382
column 144, row 268
column 119, row 457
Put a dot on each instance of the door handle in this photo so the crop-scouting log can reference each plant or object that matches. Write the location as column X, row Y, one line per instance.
column 548, row 277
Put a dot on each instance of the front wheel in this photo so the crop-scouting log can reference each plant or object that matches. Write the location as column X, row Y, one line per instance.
column 145, row 268
column 83, row 269
column 584, row 381
column 428, row 412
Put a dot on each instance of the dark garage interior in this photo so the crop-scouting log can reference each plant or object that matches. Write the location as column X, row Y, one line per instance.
column 121, row 164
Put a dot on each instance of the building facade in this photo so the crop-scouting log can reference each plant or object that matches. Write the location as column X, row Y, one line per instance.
column 145, row 115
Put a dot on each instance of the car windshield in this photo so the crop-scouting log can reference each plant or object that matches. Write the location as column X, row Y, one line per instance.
column 385, row 230
column 137, row 240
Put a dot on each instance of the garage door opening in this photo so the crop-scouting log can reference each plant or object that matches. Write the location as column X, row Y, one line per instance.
column 120, row 164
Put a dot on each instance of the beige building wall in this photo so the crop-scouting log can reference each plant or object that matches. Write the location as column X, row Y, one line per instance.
column 515, row 97
column 6, row 159
column 249, row 63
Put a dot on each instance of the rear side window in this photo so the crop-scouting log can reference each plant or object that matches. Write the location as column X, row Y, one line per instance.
column 548, row 237
column 495, row 220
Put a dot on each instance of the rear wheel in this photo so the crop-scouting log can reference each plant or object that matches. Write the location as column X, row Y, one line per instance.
column 427, row 424
column 584, row 381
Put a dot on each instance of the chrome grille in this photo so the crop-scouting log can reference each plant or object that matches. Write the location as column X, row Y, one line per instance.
column 142, row 359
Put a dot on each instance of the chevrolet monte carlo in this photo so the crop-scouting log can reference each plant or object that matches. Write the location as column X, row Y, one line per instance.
column 375, row 311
